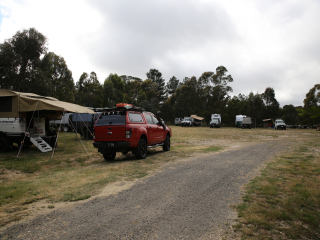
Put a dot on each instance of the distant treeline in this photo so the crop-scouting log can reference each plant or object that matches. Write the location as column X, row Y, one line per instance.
column 27, row 66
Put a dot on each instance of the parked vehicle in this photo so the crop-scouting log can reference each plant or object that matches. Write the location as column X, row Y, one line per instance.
column 215, row 120
column 123, row 129
column 239, row 119
column 24, row 119
column 178, row 121
column 187, row 122
column 246, row 123
column 63, row 124
column 83, row 123
column 13, row 130
column 279, row 124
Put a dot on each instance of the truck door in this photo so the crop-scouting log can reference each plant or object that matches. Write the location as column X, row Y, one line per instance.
column 151, row 128
column 159, row 131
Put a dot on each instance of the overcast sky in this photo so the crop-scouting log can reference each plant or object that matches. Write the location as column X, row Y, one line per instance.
column 267, row 43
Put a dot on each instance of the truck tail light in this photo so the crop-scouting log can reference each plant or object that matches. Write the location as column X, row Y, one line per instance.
column 128, row 132
column 94, row 133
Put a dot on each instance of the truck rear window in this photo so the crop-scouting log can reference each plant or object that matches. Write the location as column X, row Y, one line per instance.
column 111, row 120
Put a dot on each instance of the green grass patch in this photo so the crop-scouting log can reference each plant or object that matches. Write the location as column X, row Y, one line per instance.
column 212, row 149
column 284, row 202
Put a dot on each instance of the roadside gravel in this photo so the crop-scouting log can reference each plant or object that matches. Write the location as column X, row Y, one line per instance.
column 188, row 199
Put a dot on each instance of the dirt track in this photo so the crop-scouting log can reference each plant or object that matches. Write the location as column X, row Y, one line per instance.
column 188, row 199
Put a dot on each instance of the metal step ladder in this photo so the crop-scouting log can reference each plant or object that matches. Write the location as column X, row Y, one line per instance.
column 42, row 145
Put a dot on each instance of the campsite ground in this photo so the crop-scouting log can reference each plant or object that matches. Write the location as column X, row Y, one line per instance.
column 37, row 183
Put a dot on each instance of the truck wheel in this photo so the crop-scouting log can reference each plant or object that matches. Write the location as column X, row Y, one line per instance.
column 109, row 156
column 65, row 129
column 141, row 151
column 4, row 144
column 166, row 145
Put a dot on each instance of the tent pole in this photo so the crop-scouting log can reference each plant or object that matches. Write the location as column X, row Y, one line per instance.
column 64, row 135
column 38, row 130
column 21, row 143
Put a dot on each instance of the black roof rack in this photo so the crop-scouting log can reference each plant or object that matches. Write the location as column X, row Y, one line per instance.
column 138, row 109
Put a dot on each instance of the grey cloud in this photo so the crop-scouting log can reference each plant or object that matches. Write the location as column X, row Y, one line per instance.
column 136, row 35
column 187, row 38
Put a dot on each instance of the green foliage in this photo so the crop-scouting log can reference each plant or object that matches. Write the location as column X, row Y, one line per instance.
column 272, row 105
column 172, row 85
column 167, row 111
column 55, row 72
column 155, row 76
column 312, row 97
column 89, row 91
column 290, row 114
column 20, row 60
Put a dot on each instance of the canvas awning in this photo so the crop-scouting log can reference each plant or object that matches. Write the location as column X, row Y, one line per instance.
column 12, row 104
column 197, row 117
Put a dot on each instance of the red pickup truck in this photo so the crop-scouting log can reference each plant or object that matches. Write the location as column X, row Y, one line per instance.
column 125, row 129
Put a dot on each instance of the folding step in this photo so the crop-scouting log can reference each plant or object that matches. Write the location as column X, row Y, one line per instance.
column 40, row 144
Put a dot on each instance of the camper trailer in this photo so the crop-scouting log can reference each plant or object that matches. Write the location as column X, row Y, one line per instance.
column 215, row 121
column 24, row 119
column 238, row 120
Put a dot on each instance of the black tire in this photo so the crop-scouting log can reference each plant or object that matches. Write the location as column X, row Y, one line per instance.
column 166, row 145
column 109, row 156
column 141, row 151
column 4, row 144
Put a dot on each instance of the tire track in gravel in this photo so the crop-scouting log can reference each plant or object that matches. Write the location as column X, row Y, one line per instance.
column 188, row 199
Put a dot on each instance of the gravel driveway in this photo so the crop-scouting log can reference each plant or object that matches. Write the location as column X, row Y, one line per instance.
column 188, row 199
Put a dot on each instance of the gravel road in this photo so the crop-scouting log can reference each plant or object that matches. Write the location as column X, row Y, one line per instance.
column 188, row 199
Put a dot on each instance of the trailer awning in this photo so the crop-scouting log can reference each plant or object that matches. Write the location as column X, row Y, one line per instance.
column 196, row 117
column 18, row 102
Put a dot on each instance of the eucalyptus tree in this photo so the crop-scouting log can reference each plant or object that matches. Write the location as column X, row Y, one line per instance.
column 311, row 109
column 172, row 85
column 272, row 105
column 155, row 76
column 20, row 58
column 54, row 70
column 215, row 90
column 89, row 91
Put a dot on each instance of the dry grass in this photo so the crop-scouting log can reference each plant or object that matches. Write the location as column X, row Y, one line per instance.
column 73, row 174
column 284, row 202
